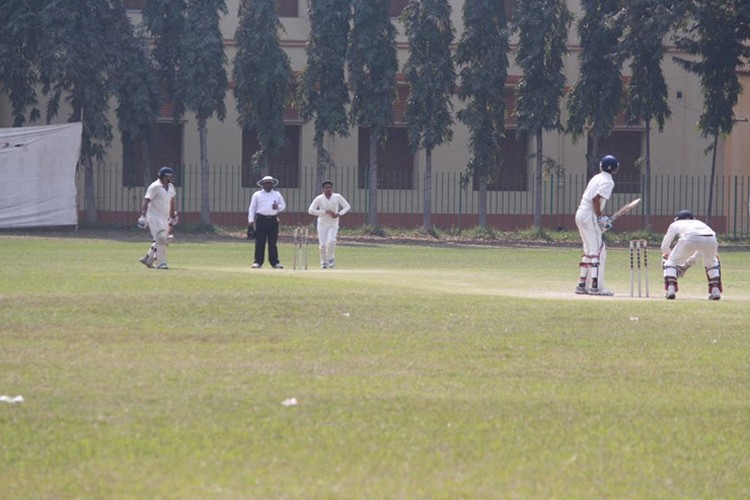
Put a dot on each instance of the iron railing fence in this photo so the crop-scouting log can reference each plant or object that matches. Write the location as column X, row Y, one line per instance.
column 454, row 201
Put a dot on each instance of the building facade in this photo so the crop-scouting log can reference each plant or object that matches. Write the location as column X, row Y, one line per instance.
column 678, row 150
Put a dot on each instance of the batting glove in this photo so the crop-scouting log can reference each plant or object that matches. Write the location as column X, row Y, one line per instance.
column 604, row 222
column 142, row 222
column 174, row 220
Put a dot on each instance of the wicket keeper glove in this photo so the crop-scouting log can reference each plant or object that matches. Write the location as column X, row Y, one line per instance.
column 250, row 232
column 604, row 222
column 142, row 222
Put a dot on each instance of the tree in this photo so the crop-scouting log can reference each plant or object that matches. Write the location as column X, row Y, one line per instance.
column 137, row 90
column 165, row 19
column 323, row 94
column 78, row 54
column 202, row 80
column 647, row 22
column 596, row 98
column 19, row 54
column 483, row 56
column 262, row 73
column 716, row 35
column 432, row 78
column 372, row 63
column 543, row 31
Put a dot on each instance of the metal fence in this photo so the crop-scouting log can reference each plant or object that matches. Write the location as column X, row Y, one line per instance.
column 454, row 201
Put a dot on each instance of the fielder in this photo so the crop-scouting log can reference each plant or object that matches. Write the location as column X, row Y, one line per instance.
column 696, row 240
column 328, row 207
column 159, row 214
column 591, row 224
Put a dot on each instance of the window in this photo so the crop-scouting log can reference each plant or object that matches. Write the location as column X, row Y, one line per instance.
column 511, row 173
column 395, row 161
column 395, row 7
column 134, row 4
column 166, row 150
column 283, row 165
column 287, row 8
column 626, row 146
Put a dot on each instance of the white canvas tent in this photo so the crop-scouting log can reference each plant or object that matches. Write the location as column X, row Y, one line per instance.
column 37, row 175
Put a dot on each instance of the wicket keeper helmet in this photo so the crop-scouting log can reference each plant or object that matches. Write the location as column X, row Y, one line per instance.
column 163, row 171
column 609, row 164
column 684, row 214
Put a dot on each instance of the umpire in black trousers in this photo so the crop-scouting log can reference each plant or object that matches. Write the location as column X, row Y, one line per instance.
column 263, row 221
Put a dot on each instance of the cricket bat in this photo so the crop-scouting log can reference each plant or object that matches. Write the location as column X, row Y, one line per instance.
column 625, row 209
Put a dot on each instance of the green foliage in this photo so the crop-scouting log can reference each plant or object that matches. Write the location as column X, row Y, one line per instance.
column 430, row 73
column 262, row 74
column 19, row 52
column 323, row 94
column 596, row 98
column 201, row 79
column 165, row 19
column 717, row 34
column 543, row 31
column 372, row 64
column 647, row 22
column 135, row 85
column 482, row 55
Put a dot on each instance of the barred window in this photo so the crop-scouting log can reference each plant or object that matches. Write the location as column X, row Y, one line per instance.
column 141, row 164
column 627, row 147
column 395, row 160
column 287, row 8
column 283, row 165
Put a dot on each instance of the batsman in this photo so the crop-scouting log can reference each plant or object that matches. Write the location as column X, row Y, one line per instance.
column 591, row 225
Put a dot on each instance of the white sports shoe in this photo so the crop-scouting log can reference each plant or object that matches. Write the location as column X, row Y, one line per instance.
column 255, row 265
column 163, row 265
column 671, row 293
column 601, row 291
column 715, row 294
column 332, row 263
column 581, row 289
column 324, row 266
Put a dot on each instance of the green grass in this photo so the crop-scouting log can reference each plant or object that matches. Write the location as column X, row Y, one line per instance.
column 420, row 372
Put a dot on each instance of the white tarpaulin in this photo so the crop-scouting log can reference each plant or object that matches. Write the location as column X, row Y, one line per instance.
column 37, row 175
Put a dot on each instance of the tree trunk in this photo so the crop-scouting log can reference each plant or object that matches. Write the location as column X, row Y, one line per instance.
column 593, row 160
column 372, row 191
column 146, row 162
column 89, row 193
column 428, row 191
column 538, row 181
column 321, row 168
column 647, row 181
column 482, row 201
column 205, row 198
column 711, row 181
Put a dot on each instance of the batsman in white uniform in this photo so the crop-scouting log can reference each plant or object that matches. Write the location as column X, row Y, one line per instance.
column 328, row 207
column 592, row 224
column 159, row 213
column 696, row 240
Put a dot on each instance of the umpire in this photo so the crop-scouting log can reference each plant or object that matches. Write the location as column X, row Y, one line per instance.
column 263, row 221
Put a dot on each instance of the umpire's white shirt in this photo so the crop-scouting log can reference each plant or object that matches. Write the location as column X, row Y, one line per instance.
column 601, row 184
column 336, row 204
column 262, row 203
column 161, row 200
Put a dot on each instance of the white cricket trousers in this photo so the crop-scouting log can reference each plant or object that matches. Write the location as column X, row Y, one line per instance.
column 594, row 249
column 160, row 232
column 328, row 229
